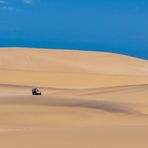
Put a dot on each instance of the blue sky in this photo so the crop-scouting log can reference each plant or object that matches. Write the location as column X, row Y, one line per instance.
column 102, row 25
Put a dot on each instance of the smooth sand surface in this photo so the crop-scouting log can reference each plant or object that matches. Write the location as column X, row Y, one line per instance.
column 89, row 100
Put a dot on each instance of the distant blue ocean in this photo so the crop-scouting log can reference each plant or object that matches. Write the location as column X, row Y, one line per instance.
column 130, row 51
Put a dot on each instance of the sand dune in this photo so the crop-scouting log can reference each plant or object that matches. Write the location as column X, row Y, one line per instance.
column 90, row 99
column 70, row 61
column 40, row 67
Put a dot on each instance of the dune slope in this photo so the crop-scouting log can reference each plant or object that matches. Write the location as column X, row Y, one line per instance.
column 42, row 67
column 70, row 61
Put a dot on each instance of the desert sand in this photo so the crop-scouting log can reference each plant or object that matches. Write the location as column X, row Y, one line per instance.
column 90, row 99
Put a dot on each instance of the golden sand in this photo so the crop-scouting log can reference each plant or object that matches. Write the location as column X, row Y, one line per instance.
column 89, row 100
